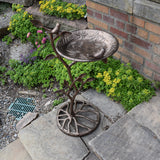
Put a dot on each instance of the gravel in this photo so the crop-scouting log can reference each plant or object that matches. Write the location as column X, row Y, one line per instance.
column 10, row 91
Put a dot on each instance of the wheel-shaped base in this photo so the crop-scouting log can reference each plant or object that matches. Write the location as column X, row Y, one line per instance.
column 84, row 120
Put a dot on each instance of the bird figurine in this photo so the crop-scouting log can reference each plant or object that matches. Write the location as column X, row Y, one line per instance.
column 56, row 29
column 99, row 54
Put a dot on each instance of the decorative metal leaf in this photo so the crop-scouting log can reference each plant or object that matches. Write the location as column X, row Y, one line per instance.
column 37, row 23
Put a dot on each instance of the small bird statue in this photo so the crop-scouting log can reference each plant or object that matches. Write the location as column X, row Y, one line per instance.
column 56, row 29
column 99, row 54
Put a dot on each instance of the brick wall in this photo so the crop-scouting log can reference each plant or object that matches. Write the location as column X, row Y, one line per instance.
column 139, row 38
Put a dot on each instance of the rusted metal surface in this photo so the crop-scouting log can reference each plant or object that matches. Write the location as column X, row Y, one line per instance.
column 84, row 120
column 87, row 45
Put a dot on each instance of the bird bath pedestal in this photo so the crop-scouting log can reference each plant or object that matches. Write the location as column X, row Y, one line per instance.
column 78, row 118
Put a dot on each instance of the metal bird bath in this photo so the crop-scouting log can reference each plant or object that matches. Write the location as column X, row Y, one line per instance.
column 78, row 118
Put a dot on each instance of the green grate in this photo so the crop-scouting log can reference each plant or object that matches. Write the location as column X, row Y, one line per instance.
column 21, row 106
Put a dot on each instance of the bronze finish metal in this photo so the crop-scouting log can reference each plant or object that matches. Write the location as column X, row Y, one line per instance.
column 78, row 118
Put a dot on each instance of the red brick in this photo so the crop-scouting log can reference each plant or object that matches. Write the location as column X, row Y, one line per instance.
column 154, row 38
column 120, row 24
column 128, row 45
column 125, row 59
column 142, row 33
column 131, row 55
column 157, row 77
column 119, row 15
column 137, row 21
column 156, row 59
column 90, row 12
column 120, row 40
column 153, row 27
column 152, row 66
column 97, row 7
column 117, row 55
column 140, row 42
column 108, row 19
column 90, row 26
column 119, row 33
column 147, row 72
column 136, row 65
column 97, row 23
column 98, row 15
column 157, row 49
column 142, row 52
column 132, row 29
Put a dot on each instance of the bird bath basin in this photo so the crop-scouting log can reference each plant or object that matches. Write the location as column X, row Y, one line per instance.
column 87, row 45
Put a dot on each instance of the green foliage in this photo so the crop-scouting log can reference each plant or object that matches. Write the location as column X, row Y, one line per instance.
column 120, row 82
column 8, row 39
column 63, row 9
column 20, row 25
column 2, row 75
column 17, row 7
column 44, row 96
column 125, row 85
column 58, row 101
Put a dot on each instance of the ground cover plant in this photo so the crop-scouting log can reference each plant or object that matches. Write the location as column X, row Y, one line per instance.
column 63, row 9
column 118, row 81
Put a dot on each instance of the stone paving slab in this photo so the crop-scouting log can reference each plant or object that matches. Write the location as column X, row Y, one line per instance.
column 148, row 115
column 127, row 140
column 44, row 141
column 108, row 107
column 92, row 156
column 14, row 151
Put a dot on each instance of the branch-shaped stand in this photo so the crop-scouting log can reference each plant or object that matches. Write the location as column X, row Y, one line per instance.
column 78, row 118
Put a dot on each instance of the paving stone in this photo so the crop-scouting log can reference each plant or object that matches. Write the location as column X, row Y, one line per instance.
column 103, row 125
column 147, row 9
column 44, row 141
column 127, row 140
column 14, row 151
column 148, row 114
column 27, row 119
column 108, row 107
column 92, row 156
column 124, row 5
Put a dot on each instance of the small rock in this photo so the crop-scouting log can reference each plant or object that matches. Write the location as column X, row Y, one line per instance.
column 30, row 92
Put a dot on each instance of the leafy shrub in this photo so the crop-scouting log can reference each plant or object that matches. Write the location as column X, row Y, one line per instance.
column 120, row 82
column 58, row 101
column 62, row 9
column 20, row 25
column 8, row 39
column 17, row 7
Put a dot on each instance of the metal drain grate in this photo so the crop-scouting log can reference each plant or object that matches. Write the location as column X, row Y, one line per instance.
column 21, row 106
